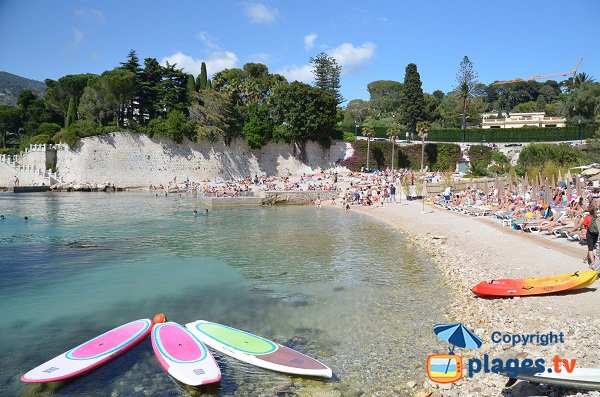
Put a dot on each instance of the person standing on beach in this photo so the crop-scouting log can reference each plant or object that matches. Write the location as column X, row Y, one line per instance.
column 591, row 236
column 393, row 193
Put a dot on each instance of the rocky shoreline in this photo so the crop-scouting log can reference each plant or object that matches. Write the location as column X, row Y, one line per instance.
column 461, row 267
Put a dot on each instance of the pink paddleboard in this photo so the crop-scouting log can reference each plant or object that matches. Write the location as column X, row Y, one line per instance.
column 183, row 356
column 90, row 354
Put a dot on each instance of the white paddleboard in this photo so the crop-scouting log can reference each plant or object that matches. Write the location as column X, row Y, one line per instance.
column 91, row 354
column 255, row 350
column 183, row 356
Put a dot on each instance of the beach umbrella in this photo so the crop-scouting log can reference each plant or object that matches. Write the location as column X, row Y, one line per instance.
column 553, row 182
column 458, row 336
column 526, row 179
column 547, row 191
column 510, row 185
column 497, row 182
column 590, row 172
column 578, row 186
column 560, row 178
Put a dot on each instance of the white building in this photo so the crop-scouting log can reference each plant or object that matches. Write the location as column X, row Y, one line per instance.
column 518, row 120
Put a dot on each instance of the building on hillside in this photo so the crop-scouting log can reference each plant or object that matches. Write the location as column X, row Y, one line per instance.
column 518, row 120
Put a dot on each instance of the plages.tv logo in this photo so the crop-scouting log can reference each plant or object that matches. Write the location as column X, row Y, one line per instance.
column 448, row 368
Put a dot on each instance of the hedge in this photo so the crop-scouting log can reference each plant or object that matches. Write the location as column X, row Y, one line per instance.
column 479, row 135
column 525, row 134
column 438, row 156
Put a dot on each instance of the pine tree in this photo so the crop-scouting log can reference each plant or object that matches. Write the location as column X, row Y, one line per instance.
column 133, row 65
column 71, row 112
column 466, row 80
column 412, row 101
column 201, row 81
column 327, row 75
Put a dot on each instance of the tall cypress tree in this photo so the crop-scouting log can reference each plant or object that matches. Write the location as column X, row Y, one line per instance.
column 71, row 112
column 201, row 81
column 191, row 86
column 412, row 101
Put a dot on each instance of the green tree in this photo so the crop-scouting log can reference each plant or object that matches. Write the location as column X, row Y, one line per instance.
column 258, row 130
column 412, row 101
column 385, row 96
column 132, row 64
column 119, row 87
column 60, row 92
column 466, row 80
column 10, row 122
column 97, row 103
column 176, row 127
column 213, row 112
column 202, row 79
column 327, row 75
column 191, row 87
column 356, row 111
column 150, row 90
column 302, row 113
column 71, row 112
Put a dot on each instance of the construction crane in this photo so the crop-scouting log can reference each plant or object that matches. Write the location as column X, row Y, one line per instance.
column 547, row 76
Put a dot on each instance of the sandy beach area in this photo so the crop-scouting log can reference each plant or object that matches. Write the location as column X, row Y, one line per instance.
column 468, row 250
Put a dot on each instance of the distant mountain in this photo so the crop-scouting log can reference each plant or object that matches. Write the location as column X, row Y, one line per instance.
column 12, row 85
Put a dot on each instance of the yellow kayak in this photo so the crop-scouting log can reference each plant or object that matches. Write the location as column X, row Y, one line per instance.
column 536, row 286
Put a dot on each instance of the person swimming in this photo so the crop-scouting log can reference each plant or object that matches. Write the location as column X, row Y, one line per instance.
column 195, row 212
column 1, row 216
column 26, row 218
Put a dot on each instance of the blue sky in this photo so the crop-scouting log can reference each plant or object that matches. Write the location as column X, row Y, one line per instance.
column 371, row 40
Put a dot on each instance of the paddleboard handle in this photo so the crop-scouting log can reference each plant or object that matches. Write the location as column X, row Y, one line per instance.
column 159, row 318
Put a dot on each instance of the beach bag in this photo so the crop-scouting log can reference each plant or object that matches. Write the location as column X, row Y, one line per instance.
column 594, row 226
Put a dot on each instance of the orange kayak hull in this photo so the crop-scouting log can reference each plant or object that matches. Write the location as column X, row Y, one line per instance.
column 536, row 286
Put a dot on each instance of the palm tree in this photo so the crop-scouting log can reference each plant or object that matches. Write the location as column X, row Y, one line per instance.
column 392, row 134
column 423, row 130
column 368, row 131
column 581, row 79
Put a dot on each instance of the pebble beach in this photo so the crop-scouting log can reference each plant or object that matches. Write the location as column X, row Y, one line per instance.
column 468, row 250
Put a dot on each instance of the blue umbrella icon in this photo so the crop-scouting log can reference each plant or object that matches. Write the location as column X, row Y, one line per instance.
column 457, row 335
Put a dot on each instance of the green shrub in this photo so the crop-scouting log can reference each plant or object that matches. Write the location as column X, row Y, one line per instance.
column 537, row 154
column 48, row 129
column 40, row 139
column 349, row 137
column 480, row 158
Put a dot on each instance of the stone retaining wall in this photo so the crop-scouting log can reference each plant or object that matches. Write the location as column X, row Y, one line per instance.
column 135, row 160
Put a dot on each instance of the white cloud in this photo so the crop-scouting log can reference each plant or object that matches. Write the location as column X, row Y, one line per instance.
column 352, row 59
column 260, row 13
column 309, row 41
column 88, row 14
column 207, row 40
column 215, row 62
column 78, row 37
column 302, row 73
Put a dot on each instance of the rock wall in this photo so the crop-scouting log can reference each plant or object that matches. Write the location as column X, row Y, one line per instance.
column 133, row 160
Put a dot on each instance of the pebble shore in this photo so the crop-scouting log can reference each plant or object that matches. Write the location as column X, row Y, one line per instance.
column 461, row 267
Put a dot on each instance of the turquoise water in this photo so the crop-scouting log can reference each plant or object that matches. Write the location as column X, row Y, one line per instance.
column 332, row 284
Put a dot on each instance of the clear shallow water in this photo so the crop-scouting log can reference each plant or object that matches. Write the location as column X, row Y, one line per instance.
column 332, row 284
